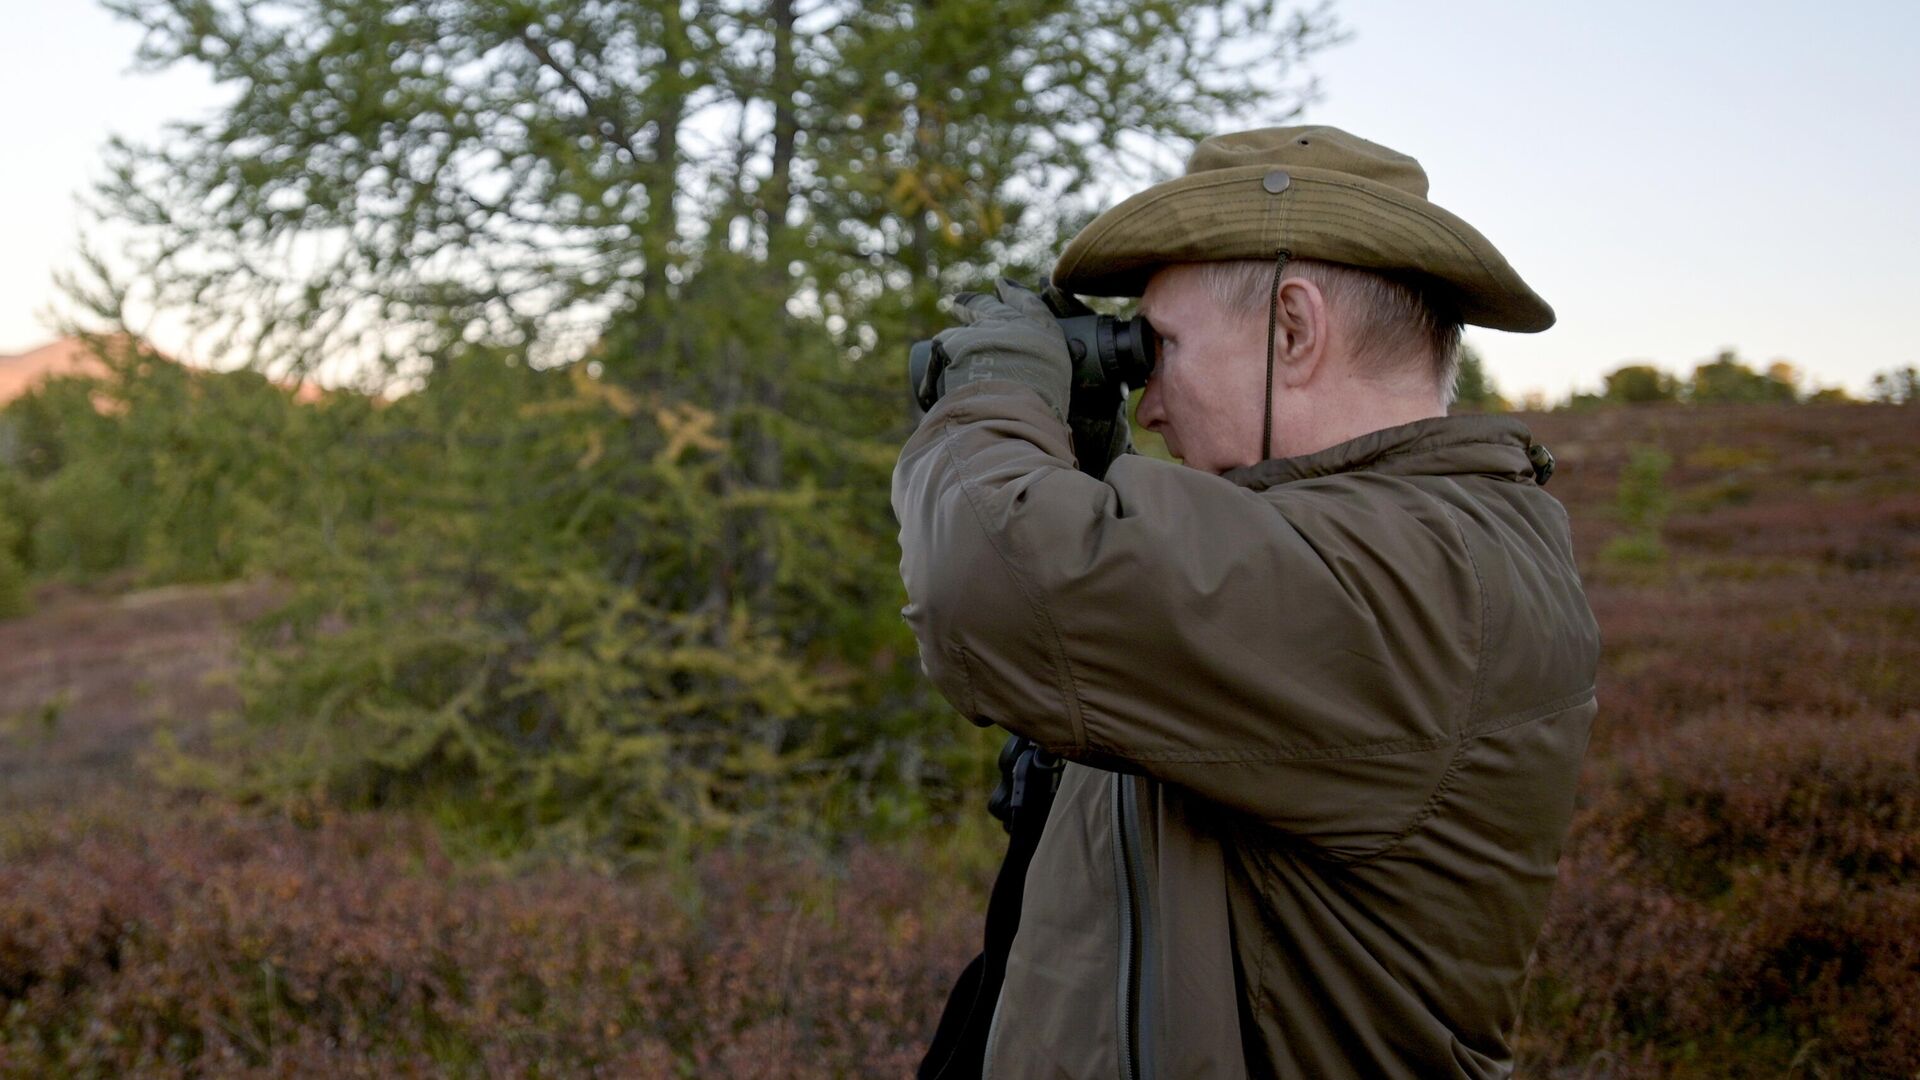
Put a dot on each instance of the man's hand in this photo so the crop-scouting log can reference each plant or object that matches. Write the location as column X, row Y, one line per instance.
column 1013, row 337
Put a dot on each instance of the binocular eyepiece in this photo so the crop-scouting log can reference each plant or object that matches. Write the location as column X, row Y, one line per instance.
column 1110, row 356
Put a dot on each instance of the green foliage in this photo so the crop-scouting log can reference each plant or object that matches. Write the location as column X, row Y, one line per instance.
column 517, row 170
column 1642, row 500
column 1641, row 504
column 38, row 425
column 1724, row 380
column 527, row 623
column 173, row 473
column 14, row 598
column 16, row 531
column 1635, row 549
column 1473, row 388
column 621, row 572
column 91, row 526
column 1640, row 384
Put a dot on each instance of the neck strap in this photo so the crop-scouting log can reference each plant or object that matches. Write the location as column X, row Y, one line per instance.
column 1280, row 257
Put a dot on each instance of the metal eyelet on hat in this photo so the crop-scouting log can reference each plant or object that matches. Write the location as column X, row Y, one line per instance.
column 1276, row 181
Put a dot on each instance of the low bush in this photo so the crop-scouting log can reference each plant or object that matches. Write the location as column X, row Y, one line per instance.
column 16, row 533
column 1741, row 899
column 1836, row 646
column 196, row 943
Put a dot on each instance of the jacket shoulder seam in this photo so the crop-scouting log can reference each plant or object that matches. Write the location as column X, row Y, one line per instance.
column 1383, row 748
column 966, row 680
column 1485, row 619
column 1444, row 782
column 1456, row 762
column 1427, row 809
column 1528, row 715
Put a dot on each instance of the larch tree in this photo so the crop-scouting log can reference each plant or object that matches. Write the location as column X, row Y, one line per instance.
column 725, row 219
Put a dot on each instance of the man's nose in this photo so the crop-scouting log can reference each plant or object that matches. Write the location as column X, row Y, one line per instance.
column 1151, row 414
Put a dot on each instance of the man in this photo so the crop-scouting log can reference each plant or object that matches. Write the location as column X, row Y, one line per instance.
column 1323, row 692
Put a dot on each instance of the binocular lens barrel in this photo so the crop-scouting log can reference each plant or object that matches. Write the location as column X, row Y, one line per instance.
column 1106, row 353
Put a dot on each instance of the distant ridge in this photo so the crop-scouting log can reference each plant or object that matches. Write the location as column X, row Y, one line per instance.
column 21, row 372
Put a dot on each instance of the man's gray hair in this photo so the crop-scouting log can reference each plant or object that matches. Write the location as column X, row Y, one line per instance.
column 1390, row 322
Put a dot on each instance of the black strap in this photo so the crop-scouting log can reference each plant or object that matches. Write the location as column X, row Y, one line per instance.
column 959, row 1046
column 1280, row 257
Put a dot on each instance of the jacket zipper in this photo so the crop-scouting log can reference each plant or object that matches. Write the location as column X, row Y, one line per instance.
column 1139, row 947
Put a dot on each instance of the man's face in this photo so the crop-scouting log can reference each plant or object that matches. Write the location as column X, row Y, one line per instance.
column 1204, row 397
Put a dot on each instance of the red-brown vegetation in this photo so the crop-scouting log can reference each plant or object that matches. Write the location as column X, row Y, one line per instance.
column 1739, row 896
column 223, row 944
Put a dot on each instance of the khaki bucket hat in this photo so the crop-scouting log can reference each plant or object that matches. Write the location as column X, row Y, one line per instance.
column 1314, row 192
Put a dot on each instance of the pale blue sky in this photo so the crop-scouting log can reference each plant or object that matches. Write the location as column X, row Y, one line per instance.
column 1673, row 177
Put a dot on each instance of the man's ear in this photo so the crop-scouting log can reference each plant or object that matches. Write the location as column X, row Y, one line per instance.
column 1302, row 332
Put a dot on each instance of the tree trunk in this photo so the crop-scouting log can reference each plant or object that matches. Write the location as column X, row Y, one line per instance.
column 767, row 373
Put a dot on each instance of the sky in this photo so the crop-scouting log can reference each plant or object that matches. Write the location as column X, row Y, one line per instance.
column 1675, row 178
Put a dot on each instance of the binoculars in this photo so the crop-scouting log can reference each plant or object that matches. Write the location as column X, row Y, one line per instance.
column 1108, row 354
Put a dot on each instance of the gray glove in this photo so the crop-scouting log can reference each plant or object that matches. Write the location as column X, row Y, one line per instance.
column 1012, row 337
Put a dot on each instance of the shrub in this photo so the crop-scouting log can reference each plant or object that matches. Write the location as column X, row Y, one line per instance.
column 91, row 525
column 1473, row 388
column 1841, row 647
column 14, row 599
column 553, row 615
column 16, row 528
column 1641, row 505
column 197, row 944
column 1725, row 380
column 1640, row 384
column 174, row 473
column 1740, row 895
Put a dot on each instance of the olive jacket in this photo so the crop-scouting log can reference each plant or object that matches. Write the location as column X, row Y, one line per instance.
column 1324, row 717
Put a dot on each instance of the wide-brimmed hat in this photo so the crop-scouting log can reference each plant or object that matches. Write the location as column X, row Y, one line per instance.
column 1315, row 192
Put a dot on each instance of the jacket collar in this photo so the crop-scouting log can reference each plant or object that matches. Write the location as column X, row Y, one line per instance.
column 1440, row 446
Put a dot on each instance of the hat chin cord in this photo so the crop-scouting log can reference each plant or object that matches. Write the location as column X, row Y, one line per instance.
column 1280, row 257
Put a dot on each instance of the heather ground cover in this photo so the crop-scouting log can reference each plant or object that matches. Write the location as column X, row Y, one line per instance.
column 195, row 943
column 1738, row 897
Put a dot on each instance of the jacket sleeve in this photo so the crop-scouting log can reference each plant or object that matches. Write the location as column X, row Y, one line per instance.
column 1169, row 622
